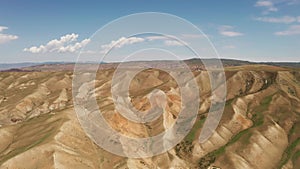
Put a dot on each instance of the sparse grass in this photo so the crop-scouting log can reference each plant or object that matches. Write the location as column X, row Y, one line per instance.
column 296, row 155
column 292, row 131
column 246, row 133
column 258, row 117
column 288, row 153
column 228, row 102
column 34, row 138
column 219, row 151
column 267, row 100
column 246, row 139
column 198, row 124
column 23, row 149
column 244, row 136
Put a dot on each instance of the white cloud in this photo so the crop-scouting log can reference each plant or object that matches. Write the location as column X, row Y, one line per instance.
column 292, row 30
column 231, row 33
column 284, row 19
column 229, row 47
column 292, row 2
column 167, row 40
column 192, row 36
column 183, row 36
column 6, row 37
column 272, row 5
column 2, row 28
column 226, row 30
column 151, row 38
column 267, row 4
column 66, row 43
column 75, row 47
column 173, row 43
column 120, row 43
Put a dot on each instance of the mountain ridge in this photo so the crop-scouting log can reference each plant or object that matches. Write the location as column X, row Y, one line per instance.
column 33, row 66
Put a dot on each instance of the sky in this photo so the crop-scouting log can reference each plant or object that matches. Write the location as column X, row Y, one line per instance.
column 57, row 30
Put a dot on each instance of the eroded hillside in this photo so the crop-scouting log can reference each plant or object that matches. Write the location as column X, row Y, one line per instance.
column 259, row 127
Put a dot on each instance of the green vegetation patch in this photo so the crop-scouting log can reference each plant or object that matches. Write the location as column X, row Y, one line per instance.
column 198, row 124
column 23, row 149
column 296, row 155
column 41, row 135
column 243, row 136
column 290, row 152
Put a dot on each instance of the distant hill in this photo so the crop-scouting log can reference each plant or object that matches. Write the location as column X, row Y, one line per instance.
column 285, row 64
column 195, row 63
column 5, row 66
column 233, row 62
column 19, row 66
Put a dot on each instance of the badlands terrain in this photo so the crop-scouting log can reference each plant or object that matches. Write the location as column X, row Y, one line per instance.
column 259, row 129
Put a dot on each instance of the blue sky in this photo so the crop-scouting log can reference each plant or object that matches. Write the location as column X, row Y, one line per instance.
column 255, row 30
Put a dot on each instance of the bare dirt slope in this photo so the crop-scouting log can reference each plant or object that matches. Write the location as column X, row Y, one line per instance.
column 259, row 128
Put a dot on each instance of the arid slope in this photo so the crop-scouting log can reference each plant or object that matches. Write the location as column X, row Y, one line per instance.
column 259, row 127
